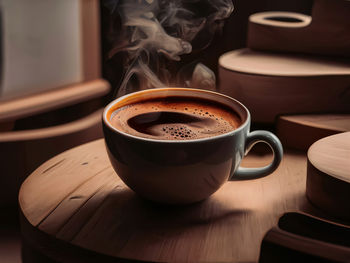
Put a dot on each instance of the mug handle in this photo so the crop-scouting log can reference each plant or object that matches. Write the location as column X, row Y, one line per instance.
column 270, row 139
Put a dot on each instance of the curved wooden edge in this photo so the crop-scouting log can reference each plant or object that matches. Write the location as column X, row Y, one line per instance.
column 254, row 62
column 333, row 122
column 302, row 237
column 298, row 221
column 301, row 131
column 328, row 193
column 56, row 249
column 59, row 130
column 280, row 241
column 52, row 99
column 47, row 166
column 330, row 155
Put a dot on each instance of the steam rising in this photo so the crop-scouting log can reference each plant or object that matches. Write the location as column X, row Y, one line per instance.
column 157, row 32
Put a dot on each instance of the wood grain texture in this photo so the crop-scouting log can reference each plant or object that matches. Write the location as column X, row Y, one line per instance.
column 301, row 131
column 275, row 84
column 326, row 32
column 76, row 197
column 21, row 107
column 328, row 175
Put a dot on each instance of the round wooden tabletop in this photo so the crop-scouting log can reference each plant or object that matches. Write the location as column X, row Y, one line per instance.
column 77, row 199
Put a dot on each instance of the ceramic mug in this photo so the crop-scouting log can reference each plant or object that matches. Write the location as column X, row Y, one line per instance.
column 184, row 171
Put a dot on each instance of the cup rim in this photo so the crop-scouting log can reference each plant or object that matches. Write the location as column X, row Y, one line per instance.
column 112, row 103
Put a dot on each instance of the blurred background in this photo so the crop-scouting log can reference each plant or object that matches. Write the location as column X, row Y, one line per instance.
column 56, row 76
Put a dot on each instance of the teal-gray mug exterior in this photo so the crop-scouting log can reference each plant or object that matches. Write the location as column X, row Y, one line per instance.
column 184, row 171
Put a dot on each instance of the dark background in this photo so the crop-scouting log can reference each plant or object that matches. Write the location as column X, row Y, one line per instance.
column 233, row 35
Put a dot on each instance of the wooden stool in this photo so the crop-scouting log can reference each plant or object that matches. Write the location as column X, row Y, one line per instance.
column 76, row 209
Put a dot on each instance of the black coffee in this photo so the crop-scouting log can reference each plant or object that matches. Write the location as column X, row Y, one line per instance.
column 175, row 118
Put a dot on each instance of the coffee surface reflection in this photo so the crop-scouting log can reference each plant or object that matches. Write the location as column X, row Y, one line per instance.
column 175, row 118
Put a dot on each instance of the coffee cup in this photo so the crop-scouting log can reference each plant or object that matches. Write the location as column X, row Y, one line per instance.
column 145, row 136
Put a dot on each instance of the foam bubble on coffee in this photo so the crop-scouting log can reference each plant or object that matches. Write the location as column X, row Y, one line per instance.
column 175, row 118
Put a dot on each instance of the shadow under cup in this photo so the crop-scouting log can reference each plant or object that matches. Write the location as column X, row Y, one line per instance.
column 183, row 171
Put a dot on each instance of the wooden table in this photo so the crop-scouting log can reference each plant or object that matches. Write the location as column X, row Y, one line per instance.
column 76, row 209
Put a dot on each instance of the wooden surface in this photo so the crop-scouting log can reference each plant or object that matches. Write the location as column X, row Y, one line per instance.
column 301, row 131
column 300, row 237
column 274, row 84
column 21, row 107
column 76, row 197
column 326, row 32
column 328, row 174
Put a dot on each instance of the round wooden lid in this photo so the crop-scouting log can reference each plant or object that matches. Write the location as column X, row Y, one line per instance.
column 279, row 64
column 328, row 175
column 331, row 155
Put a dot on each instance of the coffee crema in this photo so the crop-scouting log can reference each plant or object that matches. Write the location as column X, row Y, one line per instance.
column 175, row 118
